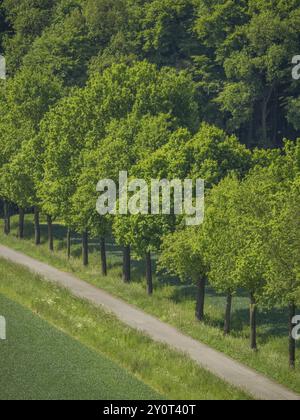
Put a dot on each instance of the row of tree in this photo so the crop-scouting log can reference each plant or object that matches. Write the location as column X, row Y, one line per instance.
column 168, row 89
column 250, row 240
column 143, row 120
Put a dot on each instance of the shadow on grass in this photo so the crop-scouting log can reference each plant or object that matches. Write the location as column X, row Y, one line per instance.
column 272, row 323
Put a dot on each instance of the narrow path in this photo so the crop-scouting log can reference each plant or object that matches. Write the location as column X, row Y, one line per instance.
column 222, row 366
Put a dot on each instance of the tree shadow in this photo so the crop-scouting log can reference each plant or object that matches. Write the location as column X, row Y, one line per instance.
column 270, row 323
column 59, row 231
column 273, row 323
column 187, row 291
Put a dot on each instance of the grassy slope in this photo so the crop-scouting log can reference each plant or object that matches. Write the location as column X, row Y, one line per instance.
column 40, row 362
column 175, row 304
column 33, row 343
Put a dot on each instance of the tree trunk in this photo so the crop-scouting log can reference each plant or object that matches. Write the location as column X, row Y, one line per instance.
column 253, row 324
column 50, row 233
column 6, row 218
column 265, row 114
column 21, row 223
column 275, row 120
column 149, row 276
column 292, row 341
column 85, row 248
column 227, row 324
column 103, row 256
column 127, row 264
column 37, row 228
column 69, row 243
column 264, row 123
column 250, row 139
column 200, row 299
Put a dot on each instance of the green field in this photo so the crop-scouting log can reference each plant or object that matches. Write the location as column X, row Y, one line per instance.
column 40, row 362
column 88, row 358
column 174, row 303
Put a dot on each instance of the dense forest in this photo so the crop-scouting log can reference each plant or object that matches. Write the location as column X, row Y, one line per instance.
column 161, row 89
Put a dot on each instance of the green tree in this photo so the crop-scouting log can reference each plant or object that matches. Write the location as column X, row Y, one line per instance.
column 250, row 45
column 27, row 97
column 182, row 254
column 212, row 155
column 144, row 234
column 130, row 108
column 27, row 19
column 64, row 48
column 282, row 244
column 165, row 32
column 221, row 249
column 283, row 285
column 236, row 232
column 61, row 137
